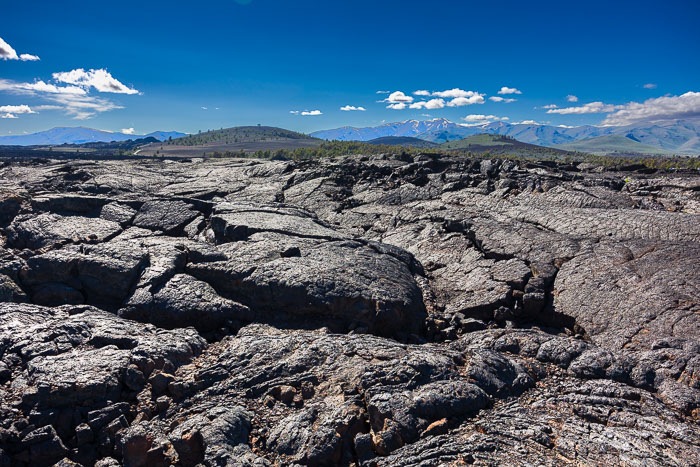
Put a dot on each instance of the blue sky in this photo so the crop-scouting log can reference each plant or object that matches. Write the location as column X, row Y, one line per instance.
column 157, row 65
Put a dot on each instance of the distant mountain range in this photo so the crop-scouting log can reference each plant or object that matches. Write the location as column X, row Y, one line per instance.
column 675, row 136
column 79, row 135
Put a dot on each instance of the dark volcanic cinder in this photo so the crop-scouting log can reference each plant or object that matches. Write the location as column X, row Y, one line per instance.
column 383, row 310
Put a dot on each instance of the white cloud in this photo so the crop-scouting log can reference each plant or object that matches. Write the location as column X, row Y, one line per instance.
column 397, row 100
column 590, row 108
column 457, row 98
column 383, row 92
column 507, row 90
column 16, row 109
column 462, row 101
column 571, row 98
column 454, row 93
column 38, row 86
column 650, row 86
column 83, row 107
column 8, row 115
column 74, row 100
column 660, row 108
column 502, row 99
column 431, row 104
column 99, row 79
column 41, row 86
column 8, row 53
column 480, row 117
column 128, row 131
column 204, row 108
column 398, row 97
column 306, row 112
column 550, row 106
column 350, row 108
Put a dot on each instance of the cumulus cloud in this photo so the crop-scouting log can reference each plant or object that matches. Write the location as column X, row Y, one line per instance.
column 455, row 93
column 8, row 53
column 99, row 79
column 660, row 108
column 480, row 118
column 431, row 104
column 590, row 108
column 128, row 131
column 16, row 109
column 571, row 98
column 451, row 98
column 383, row 92
column 462, row 101
column 507, row 90
column 650, row 86
column 8, row 115
column 204, row 108
column 550, row 106
column 502, row 99
column 351, row 108
column 294, row 112
column 397, row 100
column 398, row 97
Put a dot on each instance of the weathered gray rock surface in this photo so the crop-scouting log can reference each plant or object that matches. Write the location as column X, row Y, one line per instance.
column 385, row 310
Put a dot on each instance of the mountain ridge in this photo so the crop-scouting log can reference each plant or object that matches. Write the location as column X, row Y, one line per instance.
column 612, row 143
column 677, row 136
column 79, row 135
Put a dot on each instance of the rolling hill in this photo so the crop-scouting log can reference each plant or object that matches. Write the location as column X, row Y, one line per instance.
column 499, row 144
column 236, row 139
column 406, row 141
column 79, row 135
column 482, row 140
column 608, row 144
